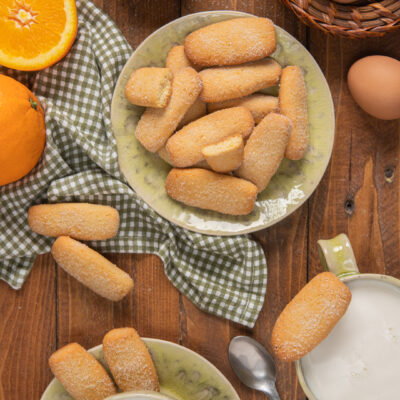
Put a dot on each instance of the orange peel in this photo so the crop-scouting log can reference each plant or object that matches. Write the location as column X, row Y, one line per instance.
column 35, row 34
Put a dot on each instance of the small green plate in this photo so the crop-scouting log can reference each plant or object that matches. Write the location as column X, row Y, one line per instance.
column 294, row 182
column 183, row 374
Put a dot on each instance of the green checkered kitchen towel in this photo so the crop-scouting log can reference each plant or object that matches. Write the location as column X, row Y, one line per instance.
column 225, row 276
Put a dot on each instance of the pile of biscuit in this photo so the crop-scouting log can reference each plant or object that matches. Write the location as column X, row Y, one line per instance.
column 128, row 359
column 205, row 117
column 83, row 221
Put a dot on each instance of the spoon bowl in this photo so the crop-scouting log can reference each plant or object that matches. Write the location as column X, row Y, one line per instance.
column 253, row 365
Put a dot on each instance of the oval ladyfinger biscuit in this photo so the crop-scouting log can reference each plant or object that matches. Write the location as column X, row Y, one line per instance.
column 202, row 164
column 149, row 87
column 163, row 154
column 185, row 146
column 231, row 42
column 225, row 156
column 310, row 316
column 129, row 361
column 82, row 376
column 177, row 60
column 293, row 104
column 82, row 221
column 157, row 124
column 91, row 268
column 225, row 83
column 265, row 150
column 197, row 110
column 211, row 191
column 258, row 104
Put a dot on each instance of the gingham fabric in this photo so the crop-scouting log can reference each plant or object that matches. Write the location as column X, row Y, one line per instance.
column 225, row 276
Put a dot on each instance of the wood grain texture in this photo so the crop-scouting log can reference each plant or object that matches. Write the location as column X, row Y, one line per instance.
column 359, row 195
column 285, row 246
column 28, row 333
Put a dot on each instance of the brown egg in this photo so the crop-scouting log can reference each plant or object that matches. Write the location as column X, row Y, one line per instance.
column 374, row 83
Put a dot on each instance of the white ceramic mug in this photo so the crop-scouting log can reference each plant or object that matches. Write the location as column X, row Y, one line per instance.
column 337, row 257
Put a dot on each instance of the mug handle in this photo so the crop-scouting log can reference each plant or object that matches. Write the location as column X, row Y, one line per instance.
column 337, row 256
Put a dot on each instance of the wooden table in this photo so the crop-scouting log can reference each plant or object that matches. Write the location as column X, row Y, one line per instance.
column 359, row 195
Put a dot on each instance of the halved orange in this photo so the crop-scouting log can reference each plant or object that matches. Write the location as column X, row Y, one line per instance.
column 35, row 34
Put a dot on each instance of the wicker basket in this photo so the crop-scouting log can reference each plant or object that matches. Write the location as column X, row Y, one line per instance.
column 354, row 21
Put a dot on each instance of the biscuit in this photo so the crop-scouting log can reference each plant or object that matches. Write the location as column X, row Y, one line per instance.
column 226, row 83
column 149, row 87
column 293, row 104
column 82, row 221
column 129, row 361
column 196, row 111
column 91, row 268
column 310, row 316
column 177, row 60
column 265, row 150
column 258, row 104
column 157, row 124
column 231, row 42
column 211, row 191
column 202, row 164
column 185, row 146
column 225, row 156
column 163, row 154
column 82, row 376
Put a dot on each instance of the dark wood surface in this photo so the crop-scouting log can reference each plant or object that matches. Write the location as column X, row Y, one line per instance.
column 359, row 195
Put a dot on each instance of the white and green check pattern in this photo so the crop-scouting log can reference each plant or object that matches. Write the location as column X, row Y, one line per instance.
column 225, row 276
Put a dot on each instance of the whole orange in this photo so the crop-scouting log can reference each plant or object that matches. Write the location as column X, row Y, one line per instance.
column 22, row 130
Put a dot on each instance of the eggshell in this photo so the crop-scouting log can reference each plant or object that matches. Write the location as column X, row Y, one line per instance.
column 374, row 83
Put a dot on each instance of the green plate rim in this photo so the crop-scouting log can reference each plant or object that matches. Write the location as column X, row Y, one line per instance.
column 245, row 230
column 162, row 342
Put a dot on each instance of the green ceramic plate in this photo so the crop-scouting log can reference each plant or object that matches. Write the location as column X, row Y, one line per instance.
column 294, row 182
column 183, row 374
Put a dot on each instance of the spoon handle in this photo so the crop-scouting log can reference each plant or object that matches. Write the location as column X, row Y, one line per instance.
column 273, row 394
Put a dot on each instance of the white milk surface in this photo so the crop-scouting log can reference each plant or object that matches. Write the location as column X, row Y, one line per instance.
column 360, row 359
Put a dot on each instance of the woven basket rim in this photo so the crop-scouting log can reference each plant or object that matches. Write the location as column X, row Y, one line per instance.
column 366, row 12
column 352, row 20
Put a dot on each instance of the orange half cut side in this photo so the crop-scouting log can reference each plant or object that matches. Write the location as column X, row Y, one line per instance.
column 35, row 34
